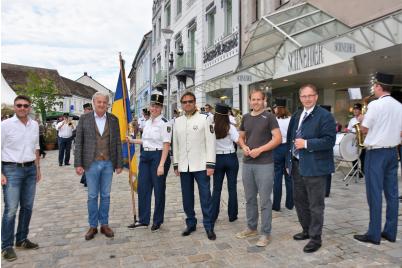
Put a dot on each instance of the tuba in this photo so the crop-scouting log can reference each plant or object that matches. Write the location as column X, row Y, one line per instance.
column 359, row 134
column 238, row 117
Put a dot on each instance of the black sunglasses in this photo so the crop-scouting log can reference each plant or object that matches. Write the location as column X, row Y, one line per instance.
column 189, row 102
column 19, row 105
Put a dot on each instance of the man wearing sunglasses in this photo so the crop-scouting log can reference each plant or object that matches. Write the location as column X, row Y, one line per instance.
column 20, row 172
column 194, row 159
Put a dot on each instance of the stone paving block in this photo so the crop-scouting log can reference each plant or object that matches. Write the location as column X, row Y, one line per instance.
column 199, row 258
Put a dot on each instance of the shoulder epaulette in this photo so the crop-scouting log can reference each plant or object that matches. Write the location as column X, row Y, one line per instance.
column 164, row 119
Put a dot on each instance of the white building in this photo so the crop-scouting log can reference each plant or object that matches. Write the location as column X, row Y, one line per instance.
column 89, row 81
column 140, row 77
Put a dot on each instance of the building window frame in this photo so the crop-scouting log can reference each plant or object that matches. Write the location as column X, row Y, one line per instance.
column 228, row 17
column 210, row 17
column 168, row 14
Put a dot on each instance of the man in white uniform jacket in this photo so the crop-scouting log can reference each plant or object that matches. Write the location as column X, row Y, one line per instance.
column 194, row 158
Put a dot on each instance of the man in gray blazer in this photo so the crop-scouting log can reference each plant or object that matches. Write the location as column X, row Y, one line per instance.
column 98, row 153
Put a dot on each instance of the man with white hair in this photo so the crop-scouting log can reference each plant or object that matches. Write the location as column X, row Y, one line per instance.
column 98, row 153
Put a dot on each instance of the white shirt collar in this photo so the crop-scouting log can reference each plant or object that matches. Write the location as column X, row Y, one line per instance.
column 14, row 118
column 100, row 117
column 309, row 110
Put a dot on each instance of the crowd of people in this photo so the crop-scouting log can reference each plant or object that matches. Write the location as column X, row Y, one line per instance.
column 203, row 144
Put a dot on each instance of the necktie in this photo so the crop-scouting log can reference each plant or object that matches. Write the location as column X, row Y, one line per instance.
column 298, row 135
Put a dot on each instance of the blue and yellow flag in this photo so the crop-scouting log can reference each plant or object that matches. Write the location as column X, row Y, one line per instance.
column 121, row 109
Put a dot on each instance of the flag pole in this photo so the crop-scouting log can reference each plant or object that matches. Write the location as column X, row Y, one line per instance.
column 130, row 181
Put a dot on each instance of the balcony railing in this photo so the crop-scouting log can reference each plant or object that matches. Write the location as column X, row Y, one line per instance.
column 185, row 61
column 160, row 78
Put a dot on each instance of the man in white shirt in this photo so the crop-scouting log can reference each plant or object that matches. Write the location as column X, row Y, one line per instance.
column 383, row 125
column 357, row 111
column 65, row 132
column 20, row 172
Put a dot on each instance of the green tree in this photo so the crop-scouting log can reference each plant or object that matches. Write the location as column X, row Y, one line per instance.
column 42, row 91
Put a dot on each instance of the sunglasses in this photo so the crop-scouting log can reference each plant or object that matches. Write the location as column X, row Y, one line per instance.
column 187, row 102
column 19, row 105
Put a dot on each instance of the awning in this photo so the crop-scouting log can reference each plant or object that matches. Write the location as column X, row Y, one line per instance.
column 56, row 115
column 301, row 25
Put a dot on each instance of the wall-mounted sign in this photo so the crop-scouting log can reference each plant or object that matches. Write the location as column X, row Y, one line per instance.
column 244, row 78
column 305, row 57
column 345, row 47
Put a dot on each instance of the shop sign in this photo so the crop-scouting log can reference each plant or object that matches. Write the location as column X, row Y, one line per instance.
column 244, row 78
column 345, row 47
column 305, row 57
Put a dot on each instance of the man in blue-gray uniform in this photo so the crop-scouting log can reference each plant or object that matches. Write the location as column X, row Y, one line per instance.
column 383, row 125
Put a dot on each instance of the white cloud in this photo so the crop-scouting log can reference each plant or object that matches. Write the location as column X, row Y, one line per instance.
column 74, row 36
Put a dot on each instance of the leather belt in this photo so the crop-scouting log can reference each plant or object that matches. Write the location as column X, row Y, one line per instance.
column 25, row 164
column 225, row 152
column 378, row 147
column 152, row 149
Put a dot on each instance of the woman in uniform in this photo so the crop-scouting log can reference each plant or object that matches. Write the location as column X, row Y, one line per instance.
column 283, row 117
column 226, row 162
column 154, row 164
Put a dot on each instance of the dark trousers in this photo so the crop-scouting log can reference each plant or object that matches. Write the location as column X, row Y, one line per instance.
column 328, row 185
column 381, row 174
column 83, row 179
column 187, row 191
column 280, row 170
column 64, row 150
column 309, row 196
column 148, row 180
column 225, row 164
column 42, row 145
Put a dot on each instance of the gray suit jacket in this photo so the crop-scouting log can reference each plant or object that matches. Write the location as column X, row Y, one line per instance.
column 85, row 141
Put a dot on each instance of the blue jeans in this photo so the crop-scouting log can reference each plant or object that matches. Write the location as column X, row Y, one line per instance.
column 19, row 190
column 225, row 164
column 99, row 181
column 64, row 149
column 279, row 168
column 148, row 180
column 381, row 168
column 187, row 191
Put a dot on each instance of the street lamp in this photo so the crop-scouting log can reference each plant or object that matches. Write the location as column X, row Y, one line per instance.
column 167, row 35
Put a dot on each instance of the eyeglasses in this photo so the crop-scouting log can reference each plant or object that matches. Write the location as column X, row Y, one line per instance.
column 307, row 96
column 187, row 102
column 19, row 105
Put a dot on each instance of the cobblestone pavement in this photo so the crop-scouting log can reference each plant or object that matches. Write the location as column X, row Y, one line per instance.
column 59, row 224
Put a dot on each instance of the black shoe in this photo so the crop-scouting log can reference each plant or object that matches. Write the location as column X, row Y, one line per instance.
column 44, row 155
column 211, row 234
column 365, row 239
column 60, row 165
column 301, row 236
column 26, row 244
column 155, row 227
column 67, row 164
column 233, row 219
column 9, row 254
column 188, row 231
column 383, row 235
column 276, row 209
column 137, row 225
column 312, row 246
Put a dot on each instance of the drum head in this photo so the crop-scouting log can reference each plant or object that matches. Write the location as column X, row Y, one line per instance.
column 348, row 147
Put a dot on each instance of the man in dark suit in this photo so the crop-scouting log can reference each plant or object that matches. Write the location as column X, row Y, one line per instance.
column 98, row 153
column 311, row 138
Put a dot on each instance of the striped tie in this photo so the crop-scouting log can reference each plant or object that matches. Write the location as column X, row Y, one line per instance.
column 298, row 135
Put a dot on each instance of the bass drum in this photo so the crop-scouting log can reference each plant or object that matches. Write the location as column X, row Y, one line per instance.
column 346, row 147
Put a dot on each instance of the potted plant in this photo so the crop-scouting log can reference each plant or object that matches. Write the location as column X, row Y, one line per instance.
column 50, row 138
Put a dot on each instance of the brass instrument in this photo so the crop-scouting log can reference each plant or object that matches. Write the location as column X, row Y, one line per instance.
column 238, row 117
column 359, row 134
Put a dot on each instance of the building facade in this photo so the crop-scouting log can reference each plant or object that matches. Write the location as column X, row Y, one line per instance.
column 140, row 77
column 91, row 82
column 337, row 47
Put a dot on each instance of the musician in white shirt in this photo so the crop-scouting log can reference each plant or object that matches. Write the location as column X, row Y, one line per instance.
column 65, row 132
column 357, row 111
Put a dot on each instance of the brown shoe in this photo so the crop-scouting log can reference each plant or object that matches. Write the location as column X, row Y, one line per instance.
column 105, row 229
column 91, row 233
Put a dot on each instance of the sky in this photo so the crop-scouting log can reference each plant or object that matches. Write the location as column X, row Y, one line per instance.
column 74, row 36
